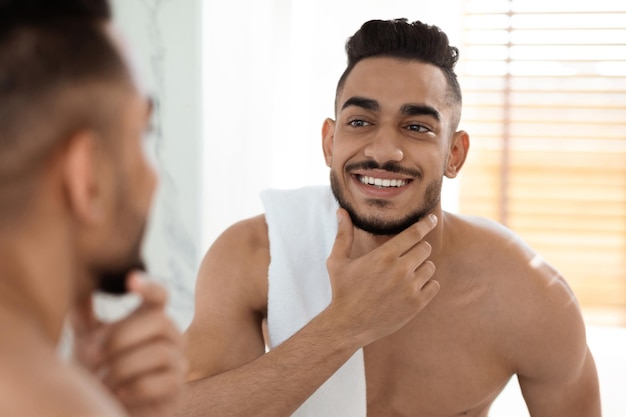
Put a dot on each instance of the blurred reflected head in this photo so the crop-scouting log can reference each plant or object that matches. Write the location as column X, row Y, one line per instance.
column 64, row 79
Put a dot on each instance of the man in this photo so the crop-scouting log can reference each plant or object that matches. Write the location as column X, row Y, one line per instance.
column 399, row 308
column 75, row 190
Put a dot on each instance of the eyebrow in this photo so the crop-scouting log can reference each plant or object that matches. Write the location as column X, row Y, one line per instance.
column 406, row 109
column 364, row 103
column 420, row 110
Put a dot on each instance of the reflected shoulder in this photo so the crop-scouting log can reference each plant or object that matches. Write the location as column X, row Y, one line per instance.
column 235, row 267
column 46, row 386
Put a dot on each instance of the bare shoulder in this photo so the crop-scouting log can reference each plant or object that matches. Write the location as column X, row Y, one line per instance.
column 497, row 253
column 535, row 305
column 238, row 262
column 230, row 301
column 42, row 385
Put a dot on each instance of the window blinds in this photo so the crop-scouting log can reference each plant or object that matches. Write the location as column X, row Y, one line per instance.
column 544, row 87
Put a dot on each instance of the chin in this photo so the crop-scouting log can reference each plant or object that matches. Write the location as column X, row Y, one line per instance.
column 112, row 281
column 385, row 227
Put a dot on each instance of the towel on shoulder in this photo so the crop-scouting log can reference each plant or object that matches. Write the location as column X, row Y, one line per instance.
column 302, row 225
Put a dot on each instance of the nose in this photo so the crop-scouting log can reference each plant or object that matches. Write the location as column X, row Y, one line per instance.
column 384, row 146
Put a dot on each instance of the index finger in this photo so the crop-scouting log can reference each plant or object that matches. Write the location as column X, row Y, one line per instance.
column 411, row 236
column 151, row 293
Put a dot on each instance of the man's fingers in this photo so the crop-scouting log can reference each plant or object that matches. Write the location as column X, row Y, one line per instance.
column 152, row 294
column 151, row 389
column 405, row 241
column 429, row 291
column 140, row 327
column 83, row 318
column 345, row 236
column 159, row 356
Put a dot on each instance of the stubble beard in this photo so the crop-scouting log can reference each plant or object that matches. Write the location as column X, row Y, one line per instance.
column 112, row 281
column 378, row 225
column 111, row 278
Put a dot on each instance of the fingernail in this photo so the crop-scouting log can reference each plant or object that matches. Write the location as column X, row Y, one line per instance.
column 339, row 216
column 141, row 276
column 433, row 219
column 137, row 280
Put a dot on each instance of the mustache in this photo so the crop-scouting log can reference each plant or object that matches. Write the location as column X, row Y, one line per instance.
column 389, row 166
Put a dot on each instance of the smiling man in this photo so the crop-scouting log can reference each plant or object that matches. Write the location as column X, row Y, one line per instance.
column 387, row 305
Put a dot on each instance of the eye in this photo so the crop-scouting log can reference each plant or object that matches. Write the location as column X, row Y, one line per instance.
column 358, row 123
column 417, row 128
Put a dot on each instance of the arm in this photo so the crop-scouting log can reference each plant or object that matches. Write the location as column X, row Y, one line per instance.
column 372, row 296
column 558, row 377
column 574, row 393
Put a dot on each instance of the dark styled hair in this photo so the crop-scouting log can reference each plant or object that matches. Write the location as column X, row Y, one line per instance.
column 50, row 50
column 21, row 11
column 400, row 39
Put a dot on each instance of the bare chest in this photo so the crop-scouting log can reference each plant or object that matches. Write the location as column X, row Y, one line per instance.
column 445, row 363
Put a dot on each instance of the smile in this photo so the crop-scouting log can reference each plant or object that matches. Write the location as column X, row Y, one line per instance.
column 382, row 183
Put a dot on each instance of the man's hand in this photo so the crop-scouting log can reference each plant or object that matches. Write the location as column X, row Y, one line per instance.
column 378, row 293
column 139, row 358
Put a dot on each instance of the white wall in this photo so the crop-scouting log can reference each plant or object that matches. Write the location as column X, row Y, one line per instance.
column 165, row 38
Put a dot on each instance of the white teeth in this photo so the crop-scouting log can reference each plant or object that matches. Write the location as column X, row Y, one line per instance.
column 379, row 182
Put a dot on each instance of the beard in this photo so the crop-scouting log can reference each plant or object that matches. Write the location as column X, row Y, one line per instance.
column 111, row 278
column 113, row 281
column 378, row 225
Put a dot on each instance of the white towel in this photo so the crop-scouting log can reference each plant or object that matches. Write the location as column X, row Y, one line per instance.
column 302, row 226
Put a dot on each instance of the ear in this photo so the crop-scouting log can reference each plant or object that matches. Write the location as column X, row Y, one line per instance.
column 459, row 147
column 80, row 177
column 328, row 138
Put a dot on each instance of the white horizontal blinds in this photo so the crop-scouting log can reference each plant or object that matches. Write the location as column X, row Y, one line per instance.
column 544, row 87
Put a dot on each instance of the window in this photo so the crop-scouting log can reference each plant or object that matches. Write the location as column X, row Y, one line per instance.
column 545, row 104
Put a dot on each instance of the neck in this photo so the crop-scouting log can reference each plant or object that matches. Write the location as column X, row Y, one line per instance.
column 37, row 280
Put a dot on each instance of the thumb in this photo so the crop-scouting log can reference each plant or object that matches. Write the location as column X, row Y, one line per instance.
column 89, row 334
column 152, row 294
column 83, row 318
column 345, row 235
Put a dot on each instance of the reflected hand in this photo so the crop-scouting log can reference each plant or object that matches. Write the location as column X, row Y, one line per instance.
column 139, row 358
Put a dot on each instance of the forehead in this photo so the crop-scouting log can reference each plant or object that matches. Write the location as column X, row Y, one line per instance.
column 394, row 82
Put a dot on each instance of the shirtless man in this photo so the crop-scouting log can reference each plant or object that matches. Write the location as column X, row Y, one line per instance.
column 75, row 190
column 445, row 308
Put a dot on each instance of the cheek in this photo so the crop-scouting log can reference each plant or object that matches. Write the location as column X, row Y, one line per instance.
column 141, row 173
column 342, row 153
column 147, row 173
column 432, row 157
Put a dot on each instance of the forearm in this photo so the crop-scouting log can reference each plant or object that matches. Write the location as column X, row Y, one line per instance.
column 278, row 382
